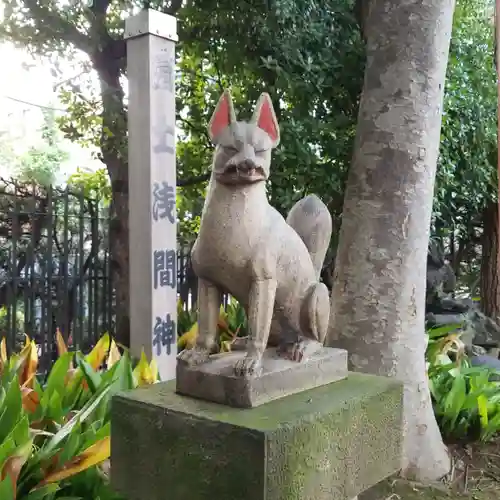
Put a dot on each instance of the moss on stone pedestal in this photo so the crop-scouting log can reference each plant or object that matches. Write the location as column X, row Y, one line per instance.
column 327, row 443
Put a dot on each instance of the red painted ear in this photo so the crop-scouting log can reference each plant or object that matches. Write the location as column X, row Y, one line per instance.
column 223, row 115
column 265, row 118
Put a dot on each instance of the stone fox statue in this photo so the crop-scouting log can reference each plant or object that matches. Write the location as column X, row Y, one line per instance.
column 247, row 249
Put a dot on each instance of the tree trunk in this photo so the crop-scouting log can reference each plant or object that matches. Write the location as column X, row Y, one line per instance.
column 490, row 290
column 114, row 155
column 378, row 300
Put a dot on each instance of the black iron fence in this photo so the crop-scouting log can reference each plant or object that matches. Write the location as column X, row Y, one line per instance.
column 187, row 282
column 54, row 267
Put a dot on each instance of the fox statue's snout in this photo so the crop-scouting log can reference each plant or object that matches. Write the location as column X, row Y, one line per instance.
column 243, row 172
column 246, row 166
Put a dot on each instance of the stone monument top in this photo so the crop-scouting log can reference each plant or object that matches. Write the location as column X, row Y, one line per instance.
column 270, row 265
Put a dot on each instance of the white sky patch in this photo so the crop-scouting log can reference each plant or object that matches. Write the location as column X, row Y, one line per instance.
column 28, row 87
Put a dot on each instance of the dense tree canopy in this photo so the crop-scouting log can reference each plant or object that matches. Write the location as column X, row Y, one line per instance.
column 466, row 180
column 465, row 204
column 309, row 56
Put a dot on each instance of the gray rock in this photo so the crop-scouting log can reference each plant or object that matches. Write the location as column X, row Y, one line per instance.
column 490, row 362
column 485, row 360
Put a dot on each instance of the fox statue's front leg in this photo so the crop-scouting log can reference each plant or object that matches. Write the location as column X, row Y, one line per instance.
column 260, row 313
column 209, row 300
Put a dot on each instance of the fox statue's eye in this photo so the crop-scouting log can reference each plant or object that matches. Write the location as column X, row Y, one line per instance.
column 231, row 149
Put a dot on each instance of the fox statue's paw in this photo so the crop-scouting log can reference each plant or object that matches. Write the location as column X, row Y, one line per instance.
column 301, row 350
column 249, row 366
column 195, row 356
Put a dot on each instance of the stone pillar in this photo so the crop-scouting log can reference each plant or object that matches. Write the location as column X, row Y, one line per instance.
column 151, row 38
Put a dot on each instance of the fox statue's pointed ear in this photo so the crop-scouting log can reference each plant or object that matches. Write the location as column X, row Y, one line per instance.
column 223, row 115
column 265, row 118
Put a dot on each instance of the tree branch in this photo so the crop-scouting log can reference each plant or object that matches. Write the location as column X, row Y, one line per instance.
column 45, row 20
column 112, row 56
column 108, row 52
column 191, row 181
column 361, row 13
column 173, row 8
column 198, row 129
column 100, row 6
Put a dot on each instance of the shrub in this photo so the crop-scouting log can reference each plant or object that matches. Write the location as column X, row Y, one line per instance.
column 53, row 437
column 466, row 399
column 232, row 324
column 186, row 318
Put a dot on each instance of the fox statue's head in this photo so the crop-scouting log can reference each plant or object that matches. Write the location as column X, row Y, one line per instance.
column 243, row 149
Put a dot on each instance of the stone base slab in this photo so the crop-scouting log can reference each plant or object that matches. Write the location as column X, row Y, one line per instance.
column 215, row 381
column 328, row 443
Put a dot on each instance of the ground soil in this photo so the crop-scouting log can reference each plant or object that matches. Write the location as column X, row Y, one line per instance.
column 475, row 476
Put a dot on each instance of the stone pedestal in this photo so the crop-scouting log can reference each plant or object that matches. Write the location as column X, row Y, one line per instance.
column 215, row 381
column 327, row 443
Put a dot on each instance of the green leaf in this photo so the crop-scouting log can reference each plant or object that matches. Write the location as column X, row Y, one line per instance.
column 72, row 444
column 455, row 399
column 7, row 446
column 54, row 409
column 72, row 498
column 482, row 404
column 39, row 411
column 443, row 331
column 57, row 375
column 74, row 391
column 491, row 429
column 123, row 377
column 82, row 415
column 11, row 409
column 3, row 394
column 6, row 492
column 21, row 432
column 43, row 493
column 93, row 378
column 94, row 437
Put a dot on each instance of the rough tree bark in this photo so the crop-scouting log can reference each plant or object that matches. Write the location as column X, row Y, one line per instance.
column 109, row 61
column 378, row 298
column 490, row 289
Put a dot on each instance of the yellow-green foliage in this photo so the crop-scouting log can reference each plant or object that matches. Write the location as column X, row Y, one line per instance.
column 232, row 323
column 54, row 435
column 95, row 185
column 466, row 398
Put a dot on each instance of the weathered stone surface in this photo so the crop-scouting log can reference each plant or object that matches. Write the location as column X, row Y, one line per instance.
column 328, row 443
column 245, row 247
column 216, row 381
